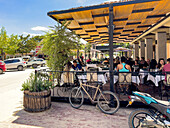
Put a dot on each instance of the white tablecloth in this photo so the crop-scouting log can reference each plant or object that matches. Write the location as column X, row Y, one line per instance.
column 143, row 73
column 135, row 79
column 101, row 78
column 156, row 79
column 92, row 65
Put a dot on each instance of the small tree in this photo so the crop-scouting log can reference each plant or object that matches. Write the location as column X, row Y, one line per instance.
column 57, row 44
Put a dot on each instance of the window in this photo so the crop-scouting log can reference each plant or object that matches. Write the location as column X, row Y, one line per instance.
column 8, row 61
column 16, row 60
column 39, row 60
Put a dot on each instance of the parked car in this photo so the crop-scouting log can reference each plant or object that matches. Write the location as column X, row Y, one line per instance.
column 15, row 63
column 2, row 67
column 36, row 62
column 26, row 58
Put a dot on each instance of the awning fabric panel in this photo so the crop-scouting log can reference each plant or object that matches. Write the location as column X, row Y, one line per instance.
column 91, row 23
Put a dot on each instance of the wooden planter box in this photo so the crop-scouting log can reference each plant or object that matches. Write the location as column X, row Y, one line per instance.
column 37, row 101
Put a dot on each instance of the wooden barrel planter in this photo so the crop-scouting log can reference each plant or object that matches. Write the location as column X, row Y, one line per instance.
column 37, row 101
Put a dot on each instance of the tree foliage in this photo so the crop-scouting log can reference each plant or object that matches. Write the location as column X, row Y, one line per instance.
column 57, row 44
column 88, row 48
column 26, row 44
column 3, row 41
column 12, row 45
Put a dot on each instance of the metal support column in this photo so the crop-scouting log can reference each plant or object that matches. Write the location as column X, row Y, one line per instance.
column 111, row 26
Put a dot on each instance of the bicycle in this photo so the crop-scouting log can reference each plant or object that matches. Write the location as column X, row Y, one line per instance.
column 107, row 101
column 69, row 82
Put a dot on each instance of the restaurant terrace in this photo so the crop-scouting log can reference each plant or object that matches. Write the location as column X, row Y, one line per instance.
column 143, row 23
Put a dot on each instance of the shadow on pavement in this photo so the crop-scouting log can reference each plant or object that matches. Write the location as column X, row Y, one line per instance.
column 62, row 115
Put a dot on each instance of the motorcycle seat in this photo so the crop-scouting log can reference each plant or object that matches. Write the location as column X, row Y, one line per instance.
column 159, row 101
column 162, row 102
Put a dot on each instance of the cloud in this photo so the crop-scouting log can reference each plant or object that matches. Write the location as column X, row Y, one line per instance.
column 31, row 34
column 39, row 28
column 111, row 0
column 81, row 1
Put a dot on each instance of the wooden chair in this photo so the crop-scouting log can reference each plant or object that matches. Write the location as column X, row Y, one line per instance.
column 92, row 80
column 124, row 81
column 68, row 78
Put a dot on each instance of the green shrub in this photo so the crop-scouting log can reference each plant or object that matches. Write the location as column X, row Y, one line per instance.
column 37, row 82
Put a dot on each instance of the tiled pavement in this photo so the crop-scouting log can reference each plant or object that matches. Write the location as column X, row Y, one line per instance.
column 62, row 115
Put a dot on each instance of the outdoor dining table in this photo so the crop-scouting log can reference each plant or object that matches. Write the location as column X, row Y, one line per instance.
column 101, row 76
column 156, row 78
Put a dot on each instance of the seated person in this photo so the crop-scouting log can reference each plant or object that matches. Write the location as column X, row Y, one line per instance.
column 152, row 65
column 88, row 60
column 76, row 66
column 161, row 64
column 67, row 75
column 166, row 67
column 68, row 66
column 136, row 66
column 123, row 67
column 106, row 61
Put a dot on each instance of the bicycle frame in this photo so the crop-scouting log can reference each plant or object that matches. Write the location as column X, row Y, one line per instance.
column 97, row 89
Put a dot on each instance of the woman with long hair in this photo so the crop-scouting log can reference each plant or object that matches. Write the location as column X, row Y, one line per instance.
column 152, row 65
column 161, row 64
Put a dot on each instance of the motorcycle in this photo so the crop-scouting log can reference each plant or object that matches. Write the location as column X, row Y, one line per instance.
column 158, row 116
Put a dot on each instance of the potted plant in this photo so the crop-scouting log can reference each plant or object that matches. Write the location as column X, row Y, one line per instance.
column 37, row 92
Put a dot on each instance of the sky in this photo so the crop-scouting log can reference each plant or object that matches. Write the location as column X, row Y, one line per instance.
column 30, row 16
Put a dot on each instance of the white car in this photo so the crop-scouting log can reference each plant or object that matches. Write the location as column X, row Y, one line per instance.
column 15, row 63
column 36, row 62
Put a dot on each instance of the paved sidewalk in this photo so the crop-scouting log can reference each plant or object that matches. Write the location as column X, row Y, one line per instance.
column 62, row 115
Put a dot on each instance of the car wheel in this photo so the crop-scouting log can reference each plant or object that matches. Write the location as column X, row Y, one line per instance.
column 34, row 65
column 1, row 71
column 20, row 68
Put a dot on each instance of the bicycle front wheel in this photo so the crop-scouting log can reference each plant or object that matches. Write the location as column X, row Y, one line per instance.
column 76, row 98
column 108, row 102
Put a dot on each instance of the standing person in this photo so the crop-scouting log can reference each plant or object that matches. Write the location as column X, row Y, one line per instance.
column 123, row 67
column 76, row 66
column 161, row 64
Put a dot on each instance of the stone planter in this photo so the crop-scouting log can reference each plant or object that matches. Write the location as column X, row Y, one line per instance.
column 37, row 101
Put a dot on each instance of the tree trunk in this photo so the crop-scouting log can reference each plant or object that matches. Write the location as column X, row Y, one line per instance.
column 2, row 54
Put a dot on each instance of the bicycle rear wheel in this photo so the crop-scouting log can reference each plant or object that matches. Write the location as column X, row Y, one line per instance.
column 108, row 102
column 76, row 98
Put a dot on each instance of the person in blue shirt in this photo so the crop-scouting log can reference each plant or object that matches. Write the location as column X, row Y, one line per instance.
column 123, row 67
column 76, row 66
